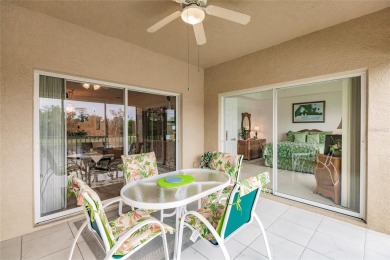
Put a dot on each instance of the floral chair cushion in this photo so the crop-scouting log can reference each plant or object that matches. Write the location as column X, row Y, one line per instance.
column 226, row 163
column 213, row 198
column 79, row 187
column 223, row 162
column 214, row 212
column 124, row 223
column 139, row 166
column 252, row 183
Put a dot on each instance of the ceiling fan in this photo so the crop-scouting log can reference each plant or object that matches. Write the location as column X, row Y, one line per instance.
column 194, row 11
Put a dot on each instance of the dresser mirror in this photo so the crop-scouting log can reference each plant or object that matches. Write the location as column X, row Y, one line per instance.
column 246, row 123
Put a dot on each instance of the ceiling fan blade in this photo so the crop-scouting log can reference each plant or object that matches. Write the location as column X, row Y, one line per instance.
column 164, row 22
column 199, row 34
column 228, row 14
column 177, row 1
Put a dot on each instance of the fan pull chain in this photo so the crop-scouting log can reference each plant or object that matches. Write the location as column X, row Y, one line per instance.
column 198, row 58
column 188, row 57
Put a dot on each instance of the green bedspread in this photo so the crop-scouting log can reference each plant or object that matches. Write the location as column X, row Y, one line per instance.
column 292, row 156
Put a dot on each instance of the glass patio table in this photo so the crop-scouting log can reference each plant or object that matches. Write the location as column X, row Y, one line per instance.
column 147, row 194
column 86, row 158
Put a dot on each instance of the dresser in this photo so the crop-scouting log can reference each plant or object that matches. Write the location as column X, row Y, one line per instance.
column 251, row 148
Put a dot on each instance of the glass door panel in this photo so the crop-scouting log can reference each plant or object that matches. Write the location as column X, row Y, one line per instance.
column 254, row 142
column 318, row 142
column 94, row 124
column 52, row 176
column 152, row 127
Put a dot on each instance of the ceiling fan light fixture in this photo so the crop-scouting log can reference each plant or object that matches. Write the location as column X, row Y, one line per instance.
column 86, row 85
column 96, row 87
column 193, row 14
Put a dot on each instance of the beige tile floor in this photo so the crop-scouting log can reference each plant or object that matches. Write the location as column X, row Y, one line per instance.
column 292, row 233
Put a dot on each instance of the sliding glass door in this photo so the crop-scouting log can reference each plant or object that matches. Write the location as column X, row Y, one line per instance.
column 319, row 143
column 82, row 128
column 313, row 136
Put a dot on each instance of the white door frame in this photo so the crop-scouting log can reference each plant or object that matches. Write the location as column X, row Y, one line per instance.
column 36, row 143
column 274, row 87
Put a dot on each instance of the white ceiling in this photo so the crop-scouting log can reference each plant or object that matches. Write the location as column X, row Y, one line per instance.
column 272, row 22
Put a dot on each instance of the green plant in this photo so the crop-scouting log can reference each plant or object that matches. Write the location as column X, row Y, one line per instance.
column 245, row 132
column 336, row 146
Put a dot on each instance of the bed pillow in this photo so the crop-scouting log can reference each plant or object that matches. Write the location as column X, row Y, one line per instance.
column 313, row 138
column 321, row 134
column 290, row 136
column 299, row 137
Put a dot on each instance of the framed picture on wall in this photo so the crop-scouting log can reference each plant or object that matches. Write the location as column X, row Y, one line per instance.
column 308, row 112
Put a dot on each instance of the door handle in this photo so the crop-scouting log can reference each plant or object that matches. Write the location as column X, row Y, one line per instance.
column 234, row 139
column 226, row 135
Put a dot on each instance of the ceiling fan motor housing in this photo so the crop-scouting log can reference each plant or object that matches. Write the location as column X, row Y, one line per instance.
column 201, row 3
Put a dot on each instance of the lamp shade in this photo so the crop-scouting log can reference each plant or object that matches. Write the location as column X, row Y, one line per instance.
column 340, row 125
column 193, row 14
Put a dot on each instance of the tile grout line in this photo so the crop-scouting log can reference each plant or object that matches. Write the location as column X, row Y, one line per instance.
column 299, row 224
column 308, row 242
column 21, row 247
column 316, row 230
column 73, row 240
column 322, row 218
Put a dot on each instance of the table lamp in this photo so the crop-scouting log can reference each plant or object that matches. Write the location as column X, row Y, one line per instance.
column 256, row 128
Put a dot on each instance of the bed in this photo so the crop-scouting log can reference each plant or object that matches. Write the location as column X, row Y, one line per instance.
column 298, row 153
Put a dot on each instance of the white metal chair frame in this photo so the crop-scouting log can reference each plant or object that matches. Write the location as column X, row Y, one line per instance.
column 111, row 251
column 221, row 238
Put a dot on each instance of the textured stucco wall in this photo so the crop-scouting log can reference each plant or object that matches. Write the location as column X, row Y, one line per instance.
column 362, row 43
column 29, row 41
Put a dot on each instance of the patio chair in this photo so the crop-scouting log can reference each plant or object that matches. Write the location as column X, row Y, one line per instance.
column 123, row 236
column 217, row 222
column 225, row 163
column 139, row 166
column 73, row 167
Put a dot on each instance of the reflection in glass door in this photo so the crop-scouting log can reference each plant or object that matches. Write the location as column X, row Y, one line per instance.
column 80, row 130
column 152, row 127
column 94, row 129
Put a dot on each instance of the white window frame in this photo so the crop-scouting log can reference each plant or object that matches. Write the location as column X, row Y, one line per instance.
column 362, row 73
column 38, row 219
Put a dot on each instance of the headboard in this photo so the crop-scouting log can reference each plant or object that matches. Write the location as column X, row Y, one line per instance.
column 309, row 130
